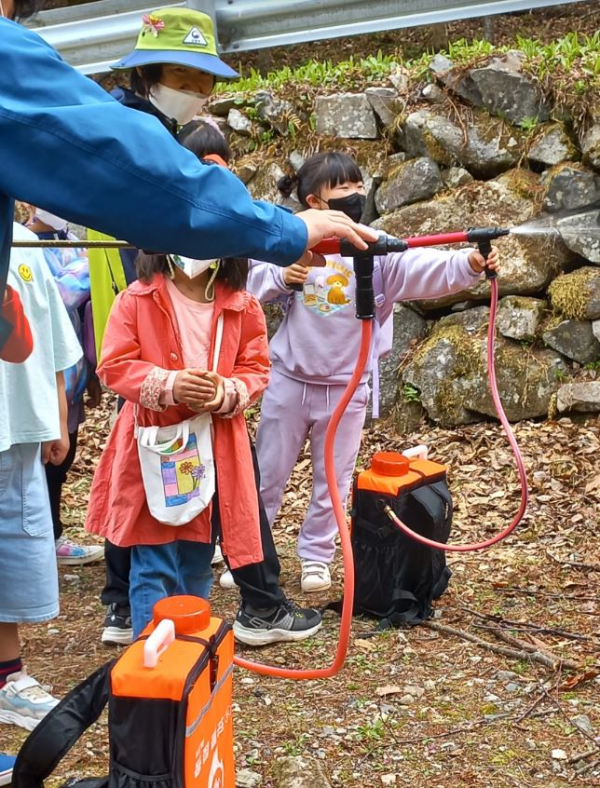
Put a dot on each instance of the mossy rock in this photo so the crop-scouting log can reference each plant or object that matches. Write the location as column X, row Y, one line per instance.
column 574, row 339
column 568, row 186
column 263, row 185
column 520, row 317
column 581, row 234
column 552, row 144
column 485, row 146
column 526, row 265
column 407, row 416
column 449, row 356
column 577, row 295
column 450, row 372
column 409, row 182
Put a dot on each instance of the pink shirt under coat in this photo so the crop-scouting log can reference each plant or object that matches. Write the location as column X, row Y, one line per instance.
column 194, row 322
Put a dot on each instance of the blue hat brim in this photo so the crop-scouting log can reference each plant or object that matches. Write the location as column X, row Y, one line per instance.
column 211, row 64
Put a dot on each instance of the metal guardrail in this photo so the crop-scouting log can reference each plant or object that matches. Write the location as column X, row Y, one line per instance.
column 92, row 36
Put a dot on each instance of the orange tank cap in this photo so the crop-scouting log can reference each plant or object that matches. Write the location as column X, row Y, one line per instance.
column 190, row 614
column 390, row 463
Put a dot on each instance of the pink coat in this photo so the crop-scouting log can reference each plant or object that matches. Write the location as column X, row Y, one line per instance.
column 141, row 346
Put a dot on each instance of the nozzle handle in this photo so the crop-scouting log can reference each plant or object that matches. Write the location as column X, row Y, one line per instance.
column 485, row 249
column 382, row 246
column 364, row 294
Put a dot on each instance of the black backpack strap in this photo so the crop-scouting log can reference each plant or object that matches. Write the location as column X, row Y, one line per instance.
column 52, row 739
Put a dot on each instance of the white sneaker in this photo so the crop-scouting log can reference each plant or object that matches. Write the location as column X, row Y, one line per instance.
column 70, row 554
column 226, row 581
column 217, row 556
column 23, row 702
column 315, row 576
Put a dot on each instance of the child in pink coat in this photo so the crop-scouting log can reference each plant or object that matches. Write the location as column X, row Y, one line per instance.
column 157, row 353
column 315, row 349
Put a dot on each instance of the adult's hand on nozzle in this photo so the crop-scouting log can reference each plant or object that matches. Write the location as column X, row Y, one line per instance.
column 295, row 274
column 478, row 262
column 331, row 224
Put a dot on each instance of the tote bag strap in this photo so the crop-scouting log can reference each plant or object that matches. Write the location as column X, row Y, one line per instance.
column 150, row 436
column 218, row 340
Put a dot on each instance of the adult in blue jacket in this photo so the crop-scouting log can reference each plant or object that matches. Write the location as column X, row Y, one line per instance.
column 70, row 148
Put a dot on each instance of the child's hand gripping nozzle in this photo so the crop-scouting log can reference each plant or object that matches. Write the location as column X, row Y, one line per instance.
column 483, row 237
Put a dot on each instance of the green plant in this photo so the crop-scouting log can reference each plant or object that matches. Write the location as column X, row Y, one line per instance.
column 296, row 746
column 593, row 365
column 560, row 375
column 529, row 124
column 371, row 731
column 410, row 393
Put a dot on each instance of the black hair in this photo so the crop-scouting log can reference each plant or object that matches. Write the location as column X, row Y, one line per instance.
column 322, row 169
column 233, row 271
column 202, row 138
column 25, row 8
column 144, row 78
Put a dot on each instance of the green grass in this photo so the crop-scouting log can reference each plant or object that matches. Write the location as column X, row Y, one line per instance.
column 569, row 68
column 374, row 68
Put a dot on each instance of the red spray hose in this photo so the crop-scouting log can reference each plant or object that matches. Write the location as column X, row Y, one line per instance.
column 340, row 516
column 467, row 548
column 332, row 247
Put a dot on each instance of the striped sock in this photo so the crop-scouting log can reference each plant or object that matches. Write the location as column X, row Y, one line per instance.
column 7, row 668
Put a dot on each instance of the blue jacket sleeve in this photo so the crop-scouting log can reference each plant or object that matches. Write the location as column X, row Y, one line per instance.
column 69, row 147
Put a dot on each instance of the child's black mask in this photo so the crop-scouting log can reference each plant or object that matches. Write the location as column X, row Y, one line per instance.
column 353, row 205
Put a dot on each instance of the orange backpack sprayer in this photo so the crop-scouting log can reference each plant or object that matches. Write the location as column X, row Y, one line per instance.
column 169, row 707
column 172, row 689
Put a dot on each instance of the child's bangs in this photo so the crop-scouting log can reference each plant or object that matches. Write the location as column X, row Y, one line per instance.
column 339, row 169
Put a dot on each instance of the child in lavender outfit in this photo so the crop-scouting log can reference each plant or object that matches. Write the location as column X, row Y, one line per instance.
column 315, row 349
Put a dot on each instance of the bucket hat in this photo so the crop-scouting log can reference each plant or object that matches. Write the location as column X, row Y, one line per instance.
column 178, row 36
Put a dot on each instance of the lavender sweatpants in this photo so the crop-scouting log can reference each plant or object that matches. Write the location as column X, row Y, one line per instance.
column 291, row 412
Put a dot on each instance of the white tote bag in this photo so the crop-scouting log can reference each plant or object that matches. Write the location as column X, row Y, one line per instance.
column 177, row 463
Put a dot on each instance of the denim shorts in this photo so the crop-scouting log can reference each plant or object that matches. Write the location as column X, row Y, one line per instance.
column 28, row 573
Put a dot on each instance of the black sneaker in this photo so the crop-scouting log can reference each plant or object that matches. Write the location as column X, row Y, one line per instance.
column 117, row 626
column 288, row 622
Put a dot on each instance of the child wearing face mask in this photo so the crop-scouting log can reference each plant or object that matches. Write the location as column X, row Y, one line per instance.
column 193, row 294
column 157, row 354
column 315, row 349
column 172, row 72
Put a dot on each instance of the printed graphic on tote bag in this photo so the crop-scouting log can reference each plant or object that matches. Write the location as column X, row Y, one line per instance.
column 182, row 475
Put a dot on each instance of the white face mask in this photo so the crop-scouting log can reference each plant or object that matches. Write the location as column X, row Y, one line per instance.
column 191, row 268
column 183, row 105
column 51, row 220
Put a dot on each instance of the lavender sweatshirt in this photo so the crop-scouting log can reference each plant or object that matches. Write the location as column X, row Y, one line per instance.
column 319, row 338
